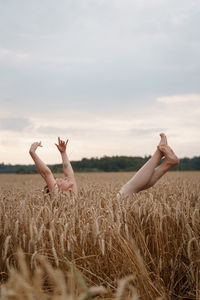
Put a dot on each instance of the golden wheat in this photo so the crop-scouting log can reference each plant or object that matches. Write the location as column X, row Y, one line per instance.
column 77, row 248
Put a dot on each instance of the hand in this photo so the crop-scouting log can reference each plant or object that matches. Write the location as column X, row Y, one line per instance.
column 34, row 146
column 62, row 145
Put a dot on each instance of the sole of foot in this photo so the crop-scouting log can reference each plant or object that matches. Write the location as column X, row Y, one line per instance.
column 169, row 154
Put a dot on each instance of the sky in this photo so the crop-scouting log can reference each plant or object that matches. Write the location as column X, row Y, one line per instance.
column 109, row 75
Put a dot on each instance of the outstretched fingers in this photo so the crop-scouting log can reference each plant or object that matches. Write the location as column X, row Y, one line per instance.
column 66, row 142
column 62, row 142
column 61, row 145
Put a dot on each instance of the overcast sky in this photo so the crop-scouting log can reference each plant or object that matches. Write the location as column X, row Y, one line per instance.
column 107, row 74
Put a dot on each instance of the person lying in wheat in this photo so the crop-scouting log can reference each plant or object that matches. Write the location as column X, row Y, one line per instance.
column 145, row 177
column 54, row 184
column 150, row 173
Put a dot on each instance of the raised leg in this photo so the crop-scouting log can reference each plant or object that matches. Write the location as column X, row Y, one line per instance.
column 143, row 176
column 170, row 160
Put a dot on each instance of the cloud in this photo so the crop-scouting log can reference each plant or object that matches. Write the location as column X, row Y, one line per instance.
column 13, row 55
column 14, row 124
column 99, row 60
column 99, row 69
column 61, row 131
column 175, row 99
column 136, row 133
column 77, row 131
column 145, row 132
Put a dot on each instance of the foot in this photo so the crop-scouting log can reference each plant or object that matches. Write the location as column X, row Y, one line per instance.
column 163, row 140
column 170, row 157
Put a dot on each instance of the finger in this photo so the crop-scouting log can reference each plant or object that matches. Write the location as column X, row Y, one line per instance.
column 40, row 144
column 66, row 142
column 56, row 145
column 58, row 140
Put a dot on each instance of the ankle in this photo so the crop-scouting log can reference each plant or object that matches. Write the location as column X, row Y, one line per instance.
column 166, row 165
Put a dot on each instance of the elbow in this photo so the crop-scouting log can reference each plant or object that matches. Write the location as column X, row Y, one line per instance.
column 45, row 173
column 31, row 153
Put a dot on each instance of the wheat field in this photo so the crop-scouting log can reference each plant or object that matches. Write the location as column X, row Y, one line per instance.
column 96, row 246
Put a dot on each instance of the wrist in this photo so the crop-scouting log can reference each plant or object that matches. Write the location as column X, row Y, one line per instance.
column 32, row 152
column 63, row 153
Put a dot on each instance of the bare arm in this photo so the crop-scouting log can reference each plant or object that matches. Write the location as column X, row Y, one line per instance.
column 44, row 171
column 67, row 168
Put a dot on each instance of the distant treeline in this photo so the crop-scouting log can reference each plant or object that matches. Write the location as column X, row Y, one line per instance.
column 104, row 164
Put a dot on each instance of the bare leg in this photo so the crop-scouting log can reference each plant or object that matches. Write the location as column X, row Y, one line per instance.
column 169, row 161
column 141, row 179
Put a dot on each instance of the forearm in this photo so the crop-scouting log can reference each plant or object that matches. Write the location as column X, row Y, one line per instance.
column 40, row 165
column 67, row 168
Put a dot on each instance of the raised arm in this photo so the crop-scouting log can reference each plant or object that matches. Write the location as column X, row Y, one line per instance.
column 44, row 171
column 67, row 168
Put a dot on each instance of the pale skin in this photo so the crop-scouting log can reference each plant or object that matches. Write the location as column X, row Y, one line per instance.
column 145, row 177
column 64, row 184
column 150, row 173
